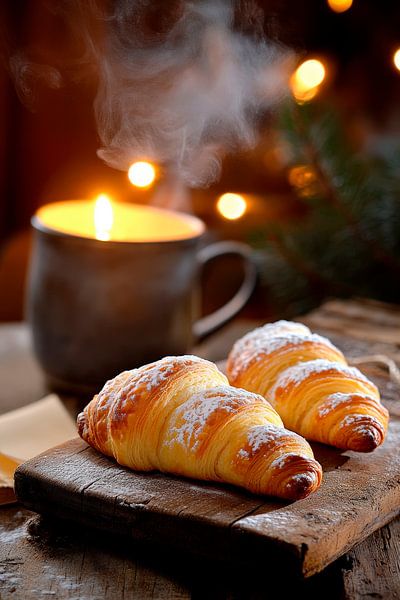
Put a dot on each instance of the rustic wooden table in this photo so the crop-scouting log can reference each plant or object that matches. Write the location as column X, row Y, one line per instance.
column 40, row 558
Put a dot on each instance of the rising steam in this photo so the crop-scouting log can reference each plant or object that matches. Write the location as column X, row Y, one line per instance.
column 187, row 96
column 179, row 82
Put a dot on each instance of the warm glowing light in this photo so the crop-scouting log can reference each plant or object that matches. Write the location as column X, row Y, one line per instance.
column 396, row 59
column 117, row 221
column 305, row 181
column 306, row 80
column 310, row 73
column 103, row 217
column 339, row 6
column 142, row 174
column 231, row 206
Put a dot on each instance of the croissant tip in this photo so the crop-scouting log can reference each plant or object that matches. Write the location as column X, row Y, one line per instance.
column 302, row 485
column 305, row 478
column 367, row 438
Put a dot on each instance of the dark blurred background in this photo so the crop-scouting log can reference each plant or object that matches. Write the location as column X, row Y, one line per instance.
column 315, row 233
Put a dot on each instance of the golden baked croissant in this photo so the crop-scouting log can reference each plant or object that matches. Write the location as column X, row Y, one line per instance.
column 179, row 415
column 309, row 383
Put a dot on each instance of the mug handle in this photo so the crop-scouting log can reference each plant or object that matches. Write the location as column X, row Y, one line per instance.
column 209, row 323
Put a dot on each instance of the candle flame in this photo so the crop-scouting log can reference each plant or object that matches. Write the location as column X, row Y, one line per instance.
column 231, row 206
column 142, row 174
column 103, row 217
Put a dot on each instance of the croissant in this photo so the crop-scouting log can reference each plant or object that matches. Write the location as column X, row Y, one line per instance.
column 308, row 382
column 179, row 415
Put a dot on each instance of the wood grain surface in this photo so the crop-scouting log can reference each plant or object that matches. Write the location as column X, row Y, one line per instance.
column 42, row 557
column 359, row 494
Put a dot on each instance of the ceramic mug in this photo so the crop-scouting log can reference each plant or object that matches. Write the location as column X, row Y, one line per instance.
column 97, row 308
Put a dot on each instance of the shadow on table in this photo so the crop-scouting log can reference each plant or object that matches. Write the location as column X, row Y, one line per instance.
column 138, row 567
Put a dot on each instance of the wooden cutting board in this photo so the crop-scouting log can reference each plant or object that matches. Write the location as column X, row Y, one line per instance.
column 359, row 494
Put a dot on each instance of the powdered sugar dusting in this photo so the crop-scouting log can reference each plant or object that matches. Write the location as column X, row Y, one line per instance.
column 256, row 344
column 196, row 411
column 264, row 345
column 278, row 328
column 298, row 373
column 242, row 453
column 265, row 434
column 308, row 478
column 156, row 373
column 112, row 386
column 276, row 343
column 363, row 424
column 270, row 330
column 338, row 399
column 282, row 461
column 359, row 418
column 155, row 376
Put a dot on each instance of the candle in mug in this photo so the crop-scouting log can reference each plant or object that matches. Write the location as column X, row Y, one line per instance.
column 117, row 221
column 114, row 286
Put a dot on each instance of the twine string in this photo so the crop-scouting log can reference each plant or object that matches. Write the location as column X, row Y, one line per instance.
column 382, row 360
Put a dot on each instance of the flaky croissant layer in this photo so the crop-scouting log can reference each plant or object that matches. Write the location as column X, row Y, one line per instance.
column 307, row 380
column 179, row 415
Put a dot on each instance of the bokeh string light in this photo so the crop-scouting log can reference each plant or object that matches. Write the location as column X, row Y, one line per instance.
column 142, row 174
column 231, row 206
column 396, row 59
column 340, row 6
column 304, row 180
column 307, row 79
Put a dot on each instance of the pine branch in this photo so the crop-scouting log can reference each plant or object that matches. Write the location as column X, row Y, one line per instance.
column 317, row 280
column 350, row 241
column 331, row 195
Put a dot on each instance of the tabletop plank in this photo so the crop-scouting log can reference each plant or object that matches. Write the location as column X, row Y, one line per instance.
column 39, row 561
column 40, row 558
column 374, row 568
